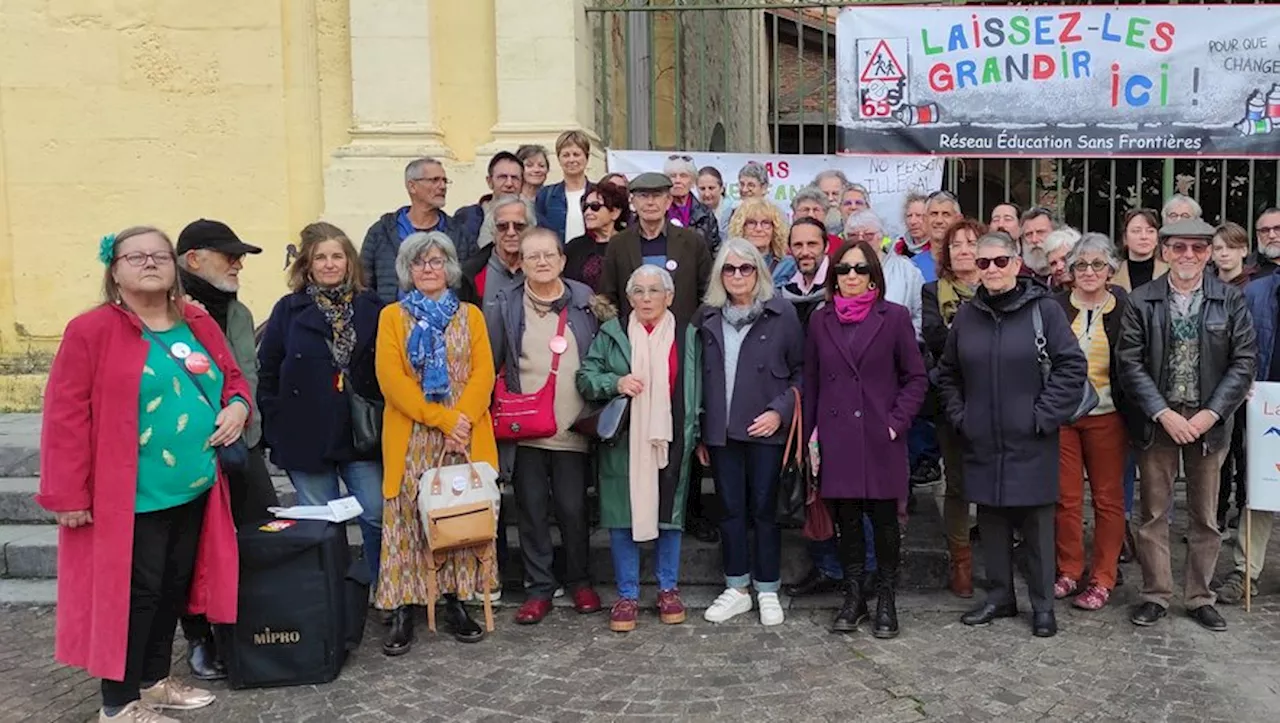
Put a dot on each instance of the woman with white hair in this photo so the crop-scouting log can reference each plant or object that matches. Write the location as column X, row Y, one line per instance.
column 753, row 181
column 686, row 210
column 435, row 368
column 752, row 345
column 1057, row 245
column 903, row 279
column 1096, row 443
column 643, row 478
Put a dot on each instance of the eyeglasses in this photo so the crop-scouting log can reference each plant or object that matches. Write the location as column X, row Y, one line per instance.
column 862, row 269
column 507, row 177
column 1000, row 262
column 435, row 263
column 541, row 256
column 745, row 270
column 137, row 259
column 1081, row 266
column 1171, row 216
column 945, row 195
column 861, row 235
column 646, row 292
column 1179, row 248
column 594, row 206
column 516, row 226
column 679, row 157
column 1268, row 230
column 434, row 181
column 757, row 222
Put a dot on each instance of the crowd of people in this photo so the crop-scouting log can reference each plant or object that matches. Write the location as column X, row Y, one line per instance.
column 1015, row 359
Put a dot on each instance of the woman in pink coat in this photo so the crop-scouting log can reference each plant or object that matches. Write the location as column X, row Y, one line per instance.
column 129, row 465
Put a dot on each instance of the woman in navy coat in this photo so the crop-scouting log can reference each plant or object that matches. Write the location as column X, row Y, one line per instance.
column 318, row 346
column 864, row 382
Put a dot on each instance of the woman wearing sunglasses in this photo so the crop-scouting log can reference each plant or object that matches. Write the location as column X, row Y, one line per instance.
column 1097, row 442
column 1008, row 413
column 604, row 210
column 751, row 345
column 864, row 382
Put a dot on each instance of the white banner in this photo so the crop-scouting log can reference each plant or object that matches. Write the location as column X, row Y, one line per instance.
column 889, row 179
column 1262, row 446
column 1060, row 80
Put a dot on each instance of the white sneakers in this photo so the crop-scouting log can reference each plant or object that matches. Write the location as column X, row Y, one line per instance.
column 770, row 608
column 730, row 604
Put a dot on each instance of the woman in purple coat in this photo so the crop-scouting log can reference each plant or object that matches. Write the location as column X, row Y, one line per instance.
column 864, row 381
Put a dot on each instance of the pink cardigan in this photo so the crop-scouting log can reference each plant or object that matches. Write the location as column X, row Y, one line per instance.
column 89, row 461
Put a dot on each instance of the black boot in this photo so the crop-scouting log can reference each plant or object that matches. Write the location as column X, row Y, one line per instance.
column 886, row 610
column 464, row 629
column 854, row 609
column 202, row 656
column 400, row 637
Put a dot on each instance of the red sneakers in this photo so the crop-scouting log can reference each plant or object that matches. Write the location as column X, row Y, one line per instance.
column 533, row 611
column 670, row 607
column 586, row 601
column 622, row 618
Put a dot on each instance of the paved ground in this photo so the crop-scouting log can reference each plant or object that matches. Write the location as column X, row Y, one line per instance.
column 572, row 668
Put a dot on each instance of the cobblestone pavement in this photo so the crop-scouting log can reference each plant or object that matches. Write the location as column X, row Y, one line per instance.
column 1100, row 667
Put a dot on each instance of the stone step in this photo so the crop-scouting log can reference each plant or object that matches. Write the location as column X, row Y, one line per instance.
column 29, row 551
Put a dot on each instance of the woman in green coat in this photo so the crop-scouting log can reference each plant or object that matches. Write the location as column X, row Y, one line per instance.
column 644, row 475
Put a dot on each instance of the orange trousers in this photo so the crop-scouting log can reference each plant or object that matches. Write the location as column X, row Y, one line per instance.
column 1097, row 444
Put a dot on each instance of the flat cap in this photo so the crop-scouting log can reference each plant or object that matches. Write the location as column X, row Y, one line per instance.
column 1187, row 228
column 650, row 182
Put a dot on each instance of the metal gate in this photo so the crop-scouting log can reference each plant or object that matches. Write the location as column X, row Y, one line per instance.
column 759, row 76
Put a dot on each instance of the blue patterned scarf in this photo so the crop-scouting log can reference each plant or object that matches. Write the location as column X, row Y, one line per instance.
column 426, row 341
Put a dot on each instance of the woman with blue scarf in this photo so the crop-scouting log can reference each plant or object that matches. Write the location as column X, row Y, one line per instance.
column 436, row 371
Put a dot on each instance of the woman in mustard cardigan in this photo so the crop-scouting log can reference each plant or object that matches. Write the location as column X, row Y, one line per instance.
column 435, row 368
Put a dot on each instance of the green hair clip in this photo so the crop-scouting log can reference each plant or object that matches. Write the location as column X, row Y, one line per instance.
column 107, row 249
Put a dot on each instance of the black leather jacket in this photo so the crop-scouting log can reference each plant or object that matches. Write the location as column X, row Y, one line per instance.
column 1228, row 353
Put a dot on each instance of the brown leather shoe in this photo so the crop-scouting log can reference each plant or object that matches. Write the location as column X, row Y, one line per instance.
column 960, row 580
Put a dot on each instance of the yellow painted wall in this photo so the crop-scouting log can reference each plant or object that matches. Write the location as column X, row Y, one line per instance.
column 158, row 111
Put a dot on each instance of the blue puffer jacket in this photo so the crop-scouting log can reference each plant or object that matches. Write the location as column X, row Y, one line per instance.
column 1264, row 305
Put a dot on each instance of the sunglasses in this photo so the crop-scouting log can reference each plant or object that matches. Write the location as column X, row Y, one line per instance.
column 679, row 157
column 594, row 206
column 1181, row 248
column 745, row 270
column 862, row 269
column 511, row 226
column 999, row 261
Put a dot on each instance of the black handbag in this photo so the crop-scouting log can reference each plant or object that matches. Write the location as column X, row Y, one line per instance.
column 793, row 485
column 1089, row 400
column 366, row 416
column 232, row 458
column 607, row 421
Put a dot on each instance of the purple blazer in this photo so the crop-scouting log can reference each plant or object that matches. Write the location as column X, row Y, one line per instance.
column 860, row 380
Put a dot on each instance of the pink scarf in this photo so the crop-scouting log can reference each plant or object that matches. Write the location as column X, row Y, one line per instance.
column 852, row 309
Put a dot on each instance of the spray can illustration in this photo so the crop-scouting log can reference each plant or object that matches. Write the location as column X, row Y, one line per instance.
column 1257, row 107
column 1256, row 127
column 916, row 115
column 1273, row 102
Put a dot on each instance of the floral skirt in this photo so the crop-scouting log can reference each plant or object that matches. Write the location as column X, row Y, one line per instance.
column 406, row 558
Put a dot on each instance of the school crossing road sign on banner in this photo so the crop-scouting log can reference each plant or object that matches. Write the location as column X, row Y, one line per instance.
column 1132, row 80
column 1262, row 446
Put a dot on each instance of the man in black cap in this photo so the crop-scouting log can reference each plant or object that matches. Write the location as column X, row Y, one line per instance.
column 652, row 240
column 210, row 257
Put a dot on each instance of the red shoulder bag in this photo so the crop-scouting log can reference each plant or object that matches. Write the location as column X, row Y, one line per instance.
column 519, row 417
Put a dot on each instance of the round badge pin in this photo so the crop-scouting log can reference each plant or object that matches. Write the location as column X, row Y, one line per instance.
column 671, row 264
column 459, row 485
column 558, row 344
column 180, row 350
column 676, row 222
column 196, row 363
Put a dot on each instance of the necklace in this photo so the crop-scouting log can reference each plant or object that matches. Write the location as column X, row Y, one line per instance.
column 543, row 306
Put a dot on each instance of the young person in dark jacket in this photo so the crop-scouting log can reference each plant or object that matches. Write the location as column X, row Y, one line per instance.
column 807, row 289
column 1008, row 414
column 428, row 185
column 1096, row 443
column 1187, row 356
column 1230, row 252
column 752, row 347
column 318, row 345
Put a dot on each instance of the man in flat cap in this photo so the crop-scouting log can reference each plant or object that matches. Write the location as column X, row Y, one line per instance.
column 653, row 240
column 1187, row 353
column 210, row 258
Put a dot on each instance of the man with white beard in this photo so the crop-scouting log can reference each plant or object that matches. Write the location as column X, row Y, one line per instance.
column 1037, row 223
column 1187, row 356
column 1267, row 230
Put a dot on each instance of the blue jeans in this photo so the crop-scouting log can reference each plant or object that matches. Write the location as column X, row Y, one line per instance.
column 626, row 561
column 922, row 442
column 746, row 477
column 364, row 482
column 826, row 553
